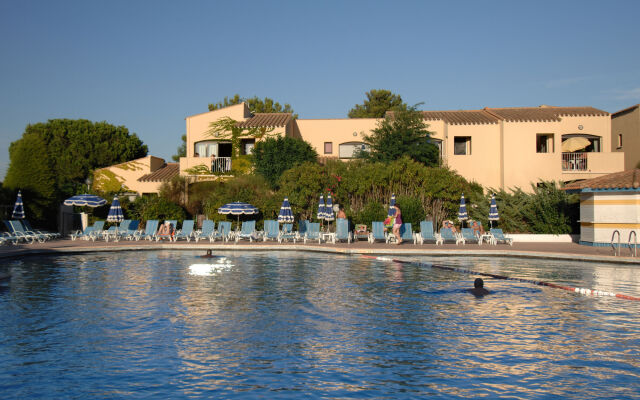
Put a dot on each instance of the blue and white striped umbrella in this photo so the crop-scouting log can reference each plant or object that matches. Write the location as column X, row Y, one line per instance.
column 85, row 200
column 392, row 211
column 493, row 209
column 18, row 208
column 238, row 208
column 462, row 212
column 320, row 215
column 115, row 212
column 286, row 215
column 328, row 209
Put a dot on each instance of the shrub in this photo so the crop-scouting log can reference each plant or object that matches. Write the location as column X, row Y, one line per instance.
column 153, row 207
column 272, row 157
column 411, row 209
column 372, row 211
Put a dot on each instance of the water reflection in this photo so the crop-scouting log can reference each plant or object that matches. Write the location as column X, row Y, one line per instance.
column 313, row 325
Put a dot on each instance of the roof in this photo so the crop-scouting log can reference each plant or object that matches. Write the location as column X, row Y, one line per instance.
column 629, row 179
column 543, row 113
column 625, row 111
column 162, row 174
column 266, row 120
column 461, row 117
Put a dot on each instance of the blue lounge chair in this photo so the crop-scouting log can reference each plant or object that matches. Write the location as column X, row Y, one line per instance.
column 406, row 234
column 186, row 232
column 248, row 231
column 17, row 229
column 6, row 237
column 470, row 236
column 16, row 237
column 223, row 232
column 287, row 233
column 50, row 235
column 112, row 232
column 150, row 229
column 498, row 236
column 271, row 230
column 377, row 232
column 302, row 228
column 89, row 232
column 312, row 232
column 426, row 233
column 342, row 231
column 447, row 235
column 132, row 230
column 208, row 228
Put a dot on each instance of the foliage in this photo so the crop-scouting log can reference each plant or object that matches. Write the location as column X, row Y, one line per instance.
column 242, row 165
column 226, row 128
column 52, row 160
column 272, row 157
column 154, row 207
column 255, row 104
column 402, row 134
column 372, row 211
column 378, row 102
column 174, row 190
column 182, row 149
column 411, row 209
column 199, row 169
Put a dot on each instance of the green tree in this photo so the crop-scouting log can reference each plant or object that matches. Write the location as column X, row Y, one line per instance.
column 378, row 102
column 182, row 149
column 52, row 160
column 404, row 133
column 273, row 156
column 255, row 104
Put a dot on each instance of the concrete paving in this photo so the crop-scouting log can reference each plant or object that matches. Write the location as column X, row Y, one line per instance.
column 572, row 251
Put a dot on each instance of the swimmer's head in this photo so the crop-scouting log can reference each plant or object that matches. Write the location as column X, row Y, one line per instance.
column 478, row 283
column 208, row 252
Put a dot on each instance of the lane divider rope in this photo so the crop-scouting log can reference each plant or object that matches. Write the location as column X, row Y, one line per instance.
column 583, row 291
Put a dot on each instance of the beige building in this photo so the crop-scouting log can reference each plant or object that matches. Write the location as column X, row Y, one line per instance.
column 625, row 135
column 500, row 148
column 142, row 176
column 609, row 208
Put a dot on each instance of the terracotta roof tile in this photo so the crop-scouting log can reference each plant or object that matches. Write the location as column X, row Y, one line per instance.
column 625, row 111
column 461, row 117
column 629, row 179
column 266, row 119
column 543, row 113
column 162, row 174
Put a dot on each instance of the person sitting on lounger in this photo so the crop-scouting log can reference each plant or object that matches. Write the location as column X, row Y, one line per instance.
column 166, row 230
column 477, row 228
column 478, row 288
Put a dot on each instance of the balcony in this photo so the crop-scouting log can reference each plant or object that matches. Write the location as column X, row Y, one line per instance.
column 582, row 165
column 221, row 164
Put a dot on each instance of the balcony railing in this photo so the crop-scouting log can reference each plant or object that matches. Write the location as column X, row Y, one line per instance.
column 221, row 164
column 574, row 161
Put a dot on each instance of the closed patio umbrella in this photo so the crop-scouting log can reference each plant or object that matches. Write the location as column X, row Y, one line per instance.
column 321, row 211
column 462, row 212
column 392, row 211
column 328, row 211
column 18, row 208
column 493, row 210
column 115, row 212
column 286, row 215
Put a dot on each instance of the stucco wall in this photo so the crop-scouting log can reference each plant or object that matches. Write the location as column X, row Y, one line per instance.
column 336, row 131
column 601, row 213
column 125, row 176
column 627, row 124
column 483, row 164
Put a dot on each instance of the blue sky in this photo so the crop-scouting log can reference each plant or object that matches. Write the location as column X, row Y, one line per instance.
column 149, row 64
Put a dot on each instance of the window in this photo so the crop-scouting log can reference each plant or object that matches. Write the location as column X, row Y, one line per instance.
column 350, row 149
column 206, row 148
column 462, row 145
column 544, row 143
column 247, row 146
column 328, row 147
column 438, row 144
column 619, row 140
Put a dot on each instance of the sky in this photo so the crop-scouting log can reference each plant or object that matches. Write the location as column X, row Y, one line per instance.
column 147, row 65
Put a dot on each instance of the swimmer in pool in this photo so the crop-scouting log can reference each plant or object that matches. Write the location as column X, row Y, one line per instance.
column 478, row 288
column 208, row 255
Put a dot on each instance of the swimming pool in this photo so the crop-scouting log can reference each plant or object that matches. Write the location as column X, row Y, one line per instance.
column 301, row 325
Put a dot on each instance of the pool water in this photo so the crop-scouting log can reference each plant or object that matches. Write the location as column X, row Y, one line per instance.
column 304, row 325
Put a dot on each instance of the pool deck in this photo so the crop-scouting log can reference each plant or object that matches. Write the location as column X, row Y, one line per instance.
column 567, row 251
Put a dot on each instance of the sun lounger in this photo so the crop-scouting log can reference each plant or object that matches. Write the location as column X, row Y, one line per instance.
column 151, row 227
column 287, row 233
column 302, row 228
column 223, row 232
column 361, row 232
column 499, row 237
column 470, row 236
column 377, row 232
column 90, row 232
column 132, row 230
column 342, row 231
column 172, row 231
column 271, row 230
column 16, row 228
column 313, row 232
column 426, row 234
column 50, row 235
column 447, row 235
column 248, row 231
column 186, row 232
column 406, row 234
column 208, row 228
